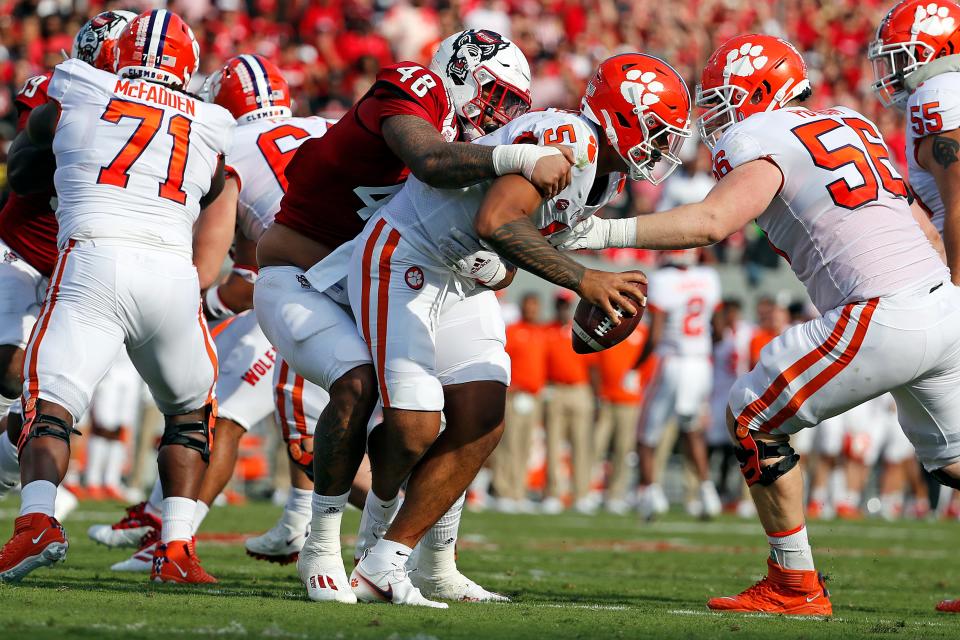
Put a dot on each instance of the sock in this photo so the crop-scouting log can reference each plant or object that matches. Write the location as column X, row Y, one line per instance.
column 96, row 461
column 438, row 547
column 202, row 510
column 177, row 519
column 481, row 484
column 9, row 461
column 853, row 499
column 838, row 486
column 297, row 510
column 155, row 501
column 38, row 496
column 819, row 495
column 325, row 525
column 891, row 505
column 376, row 519
column 791, row 550
column 116, row 456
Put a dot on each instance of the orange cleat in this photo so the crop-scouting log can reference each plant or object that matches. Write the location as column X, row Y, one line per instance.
column 96, row 493
column 814, row 510
column 949, row 606
column 784, row 591
column 177, row 561
column 849, row 512
column 113, row 493
column 38, row 541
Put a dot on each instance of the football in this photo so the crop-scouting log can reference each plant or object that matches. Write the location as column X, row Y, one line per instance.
column 593, row 331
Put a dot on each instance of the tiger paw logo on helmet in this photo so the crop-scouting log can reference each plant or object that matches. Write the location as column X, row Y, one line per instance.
column 933, row 20
column 641, row 88
column 745, row 60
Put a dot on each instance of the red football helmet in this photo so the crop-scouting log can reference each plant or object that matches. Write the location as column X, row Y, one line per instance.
column 912, row 34
column 251, row 88
column 158, row 46
column 643, row 106
column 746, row 75
column 96, row 42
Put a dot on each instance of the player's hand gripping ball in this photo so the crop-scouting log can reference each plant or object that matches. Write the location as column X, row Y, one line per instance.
column 593, row 331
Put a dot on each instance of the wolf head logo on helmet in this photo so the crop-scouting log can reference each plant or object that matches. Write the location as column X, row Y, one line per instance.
column 472, row 48
column 94, row 43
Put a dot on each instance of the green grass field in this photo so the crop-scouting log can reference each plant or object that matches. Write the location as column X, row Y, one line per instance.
column 570, row 576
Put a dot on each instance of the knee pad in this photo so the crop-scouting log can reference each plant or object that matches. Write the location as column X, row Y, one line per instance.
column 45, row 426
column 178, row 434
column 300, row 452
column 751, row 452
column 946, row 479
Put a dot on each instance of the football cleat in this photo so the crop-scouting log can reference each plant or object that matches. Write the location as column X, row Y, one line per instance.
column 652, row 502
column 281, row 544
column 949, row 606
column 378, row 577
column 142, row 558
column 177, row 561
column 38, row 541
column 324, row 577
column 454, row 586
column 782, row 591
column 129, row 531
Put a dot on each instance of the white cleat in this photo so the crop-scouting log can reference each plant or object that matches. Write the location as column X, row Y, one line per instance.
column 324, row 577
column 454, row 586
column 652, row 502
column 128, row 531
column 281, row 544
column 142, row 558
column 381, row 578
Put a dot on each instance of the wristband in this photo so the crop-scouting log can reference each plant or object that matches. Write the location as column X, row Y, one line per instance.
column 622, row 232
column 519, row 158
column 216, row 309
column 249, row 274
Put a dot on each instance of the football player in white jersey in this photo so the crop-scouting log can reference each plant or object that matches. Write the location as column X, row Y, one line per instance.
column 136, row 159
column 916, row 62
column 414, row 263
column 822, row 186
column 253, row 382
column 681, row 298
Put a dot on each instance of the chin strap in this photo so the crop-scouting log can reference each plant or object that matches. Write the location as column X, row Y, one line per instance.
column 933, row 68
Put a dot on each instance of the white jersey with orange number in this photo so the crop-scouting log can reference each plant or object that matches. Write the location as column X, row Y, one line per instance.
column 934, row 107
column 687, row 296
column 425, row 216
column 134, row 158
column 841, row 217
column 258, row 159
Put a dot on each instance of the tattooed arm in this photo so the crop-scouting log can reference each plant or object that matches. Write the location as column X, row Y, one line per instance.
column 503, row 221
column 939, row 154
column 460, row 164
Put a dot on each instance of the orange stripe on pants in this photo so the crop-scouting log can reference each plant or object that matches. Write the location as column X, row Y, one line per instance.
column 780, row 383
column 831, row 371
column 36, row 337
column 212, row 355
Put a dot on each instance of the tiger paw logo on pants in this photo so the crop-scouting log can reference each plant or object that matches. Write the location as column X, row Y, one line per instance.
column 745, row 60
column 414, row 278
column 933, row 20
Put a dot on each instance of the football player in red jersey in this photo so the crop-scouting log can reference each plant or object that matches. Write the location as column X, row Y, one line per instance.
column 28, row 248
column 405, row 124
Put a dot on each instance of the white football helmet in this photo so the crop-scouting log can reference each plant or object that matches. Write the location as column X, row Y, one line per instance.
column 487, row 78
column 96, row 40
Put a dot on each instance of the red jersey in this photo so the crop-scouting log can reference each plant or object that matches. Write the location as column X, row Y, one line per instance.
column 28, row 224
column 338, row 181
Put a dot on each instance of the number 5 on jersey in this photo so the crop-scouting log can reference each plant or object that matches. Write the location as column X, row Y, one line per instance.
column 117, row 173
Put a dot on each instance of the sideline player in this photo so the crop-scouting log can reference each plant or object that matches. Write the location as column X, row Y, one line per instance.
column 916, row 62
column 406, row 124
column 124, row 276
column 822, row 186
column 28, row 246
column 403, row 284
column 681, row 298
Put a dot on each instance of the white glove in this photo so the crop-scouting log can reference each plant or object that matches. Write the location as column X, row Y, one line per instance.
column 484, row 266
column 600, row 233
